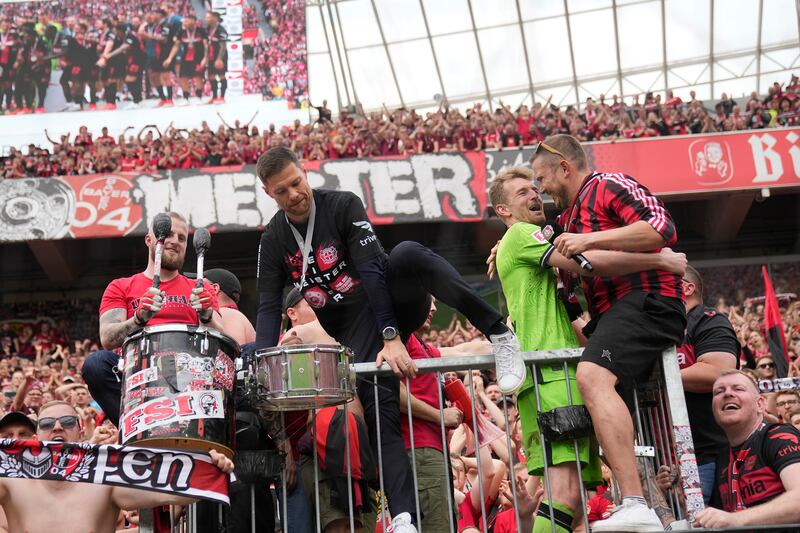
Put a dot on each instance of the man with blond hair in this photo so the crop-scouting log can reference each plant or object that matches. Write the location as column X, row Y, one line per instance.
column 541, row 322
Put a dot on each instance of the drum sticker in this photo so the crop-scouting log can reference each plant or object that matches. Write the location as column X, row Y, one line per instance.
column 140, row 378
column 130, row 358
column 154, row 392
column 132, row 395
column 223, row 371
column 160, row 412
column 195, row 365
column 201, row 384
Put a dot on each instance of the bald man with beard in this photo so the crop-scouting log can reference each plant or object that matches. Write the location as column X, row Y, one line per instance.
column 43, row 505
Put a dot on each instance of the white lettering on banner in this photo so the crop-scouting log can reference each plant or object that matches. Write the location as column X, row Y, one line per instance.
column 231, row 198
column 769, row 167
column 794, row 151
column 164, row 411
column 449, row 174
column 348, row 174
column 236, row 199
column 385, row 180
column 407, row 187
column 140, row 378
column 194, row 198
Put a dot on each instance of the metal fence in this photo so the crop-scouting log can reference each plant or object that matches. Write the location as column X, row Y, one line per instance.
column 662, row 438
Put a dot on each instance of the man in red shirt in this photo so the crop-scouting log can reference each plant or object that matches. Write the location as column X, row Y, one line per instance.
column 130, row 304
column 642, row 313
column 428, row 452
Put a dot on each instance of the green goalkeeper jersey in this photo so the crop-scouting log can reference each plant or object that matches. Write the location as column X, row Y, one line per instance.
column 530, row 287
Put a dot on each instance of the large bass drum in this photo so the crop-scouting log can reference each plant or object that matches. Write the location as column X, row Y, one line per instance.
column 177, row 389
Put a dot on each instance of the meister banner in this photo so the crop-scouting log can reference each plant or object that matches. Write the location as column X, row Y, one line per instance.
column 429, row 187
column 417, row 188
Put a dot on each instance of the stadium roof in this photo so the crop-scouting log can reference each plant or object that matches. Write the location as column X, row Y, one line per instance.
column 410, row 52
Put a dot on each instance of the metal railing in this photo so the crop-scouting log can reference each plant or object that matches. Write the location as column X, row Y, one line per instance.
column 661, row 426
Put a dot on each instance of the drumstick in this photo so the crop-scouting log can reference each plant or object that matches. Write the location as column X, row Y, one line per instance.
column 162, row 226
column 202, row 242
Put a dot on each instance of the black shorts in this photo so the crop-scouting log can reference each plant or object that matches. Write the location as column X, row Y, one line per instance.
column 631, row 336
column 7, row 72
column 157, row 64
column 190, row 69
column 212, row 71
column 80, row 74
column 114, row 69
column 134, row 68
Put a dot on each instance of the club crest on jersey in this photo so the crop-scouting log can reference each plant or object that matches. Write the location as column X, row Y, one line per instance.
column 328, row 256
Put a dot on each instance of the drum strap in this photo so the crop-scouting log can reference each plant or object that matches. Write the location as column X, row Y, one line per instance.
column 304, row 245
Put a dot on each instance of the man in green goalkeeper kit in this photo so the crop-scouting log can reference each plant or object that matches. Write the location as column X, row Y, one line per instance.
column 523, row 262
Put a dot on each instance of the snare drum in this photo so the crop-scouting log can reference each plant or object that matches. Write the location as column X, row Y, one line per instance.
column 177, row 388
column 303, row 376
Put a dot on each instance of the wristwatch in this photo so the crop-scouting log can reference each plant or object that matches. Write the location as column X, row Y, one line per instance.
column 389, row 333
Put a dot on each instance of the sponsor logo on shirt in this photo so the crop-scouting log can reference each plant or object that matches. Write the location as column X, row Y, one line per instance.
column 365, row 225
column 369, row 239
column 539, row 236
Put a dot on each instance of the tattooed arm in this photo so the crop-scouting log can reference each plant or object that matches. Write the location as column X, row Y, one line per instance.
column 114, row 328
column 653, row 493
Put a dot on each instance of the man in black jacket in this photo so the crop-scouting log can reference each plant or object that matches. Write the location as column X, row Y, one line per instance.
column 709, row 348
column 322, row 242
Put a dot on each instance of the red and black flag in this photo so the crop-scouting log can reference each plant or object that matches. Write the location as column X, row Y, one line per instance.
column 773, row 324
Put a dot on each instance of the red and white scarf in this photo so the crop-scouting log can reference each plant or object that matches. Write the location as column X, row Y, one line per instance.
column 182, row 473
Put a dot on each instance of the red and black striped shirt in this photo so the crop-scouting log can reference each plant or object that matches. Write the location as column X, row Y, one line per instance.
column 613, row 200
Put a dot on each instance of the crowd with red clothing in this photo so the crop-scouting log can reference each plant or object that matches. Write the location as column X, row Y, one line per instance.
column 147, row 151
column 400, row 131
column 280, row 69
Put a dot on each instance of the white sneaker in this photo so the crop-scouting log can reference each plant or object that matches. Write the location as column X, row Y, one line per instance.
column 401, row 524
column 508, row 362
column 629, row 517
column 678, row 525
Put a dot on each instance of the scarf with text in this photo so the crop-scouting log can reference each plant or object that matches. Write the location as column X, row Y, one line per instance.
column 177, row 472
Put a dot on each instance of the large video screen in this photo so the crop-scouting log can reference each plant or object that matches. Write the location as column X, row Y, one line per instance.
column 73, row 55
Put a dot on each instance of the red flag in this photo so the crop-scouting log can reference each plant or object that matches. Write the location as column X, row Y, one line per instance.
column 773, row 324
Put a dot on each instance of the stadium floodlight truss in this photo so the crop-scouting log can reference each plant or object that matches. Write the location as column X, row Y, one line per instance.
column 736, row 69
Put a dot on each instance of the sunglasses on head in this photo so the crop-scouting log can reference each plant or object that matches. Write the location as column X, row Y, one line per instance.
column 48, row 423
column 550, row 149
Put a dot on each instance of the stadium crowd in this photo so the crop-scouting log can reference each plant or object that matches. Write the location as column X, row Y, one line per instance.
column 45, row 344
column 399, row 131
column 280, row 69
column 130, row 51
